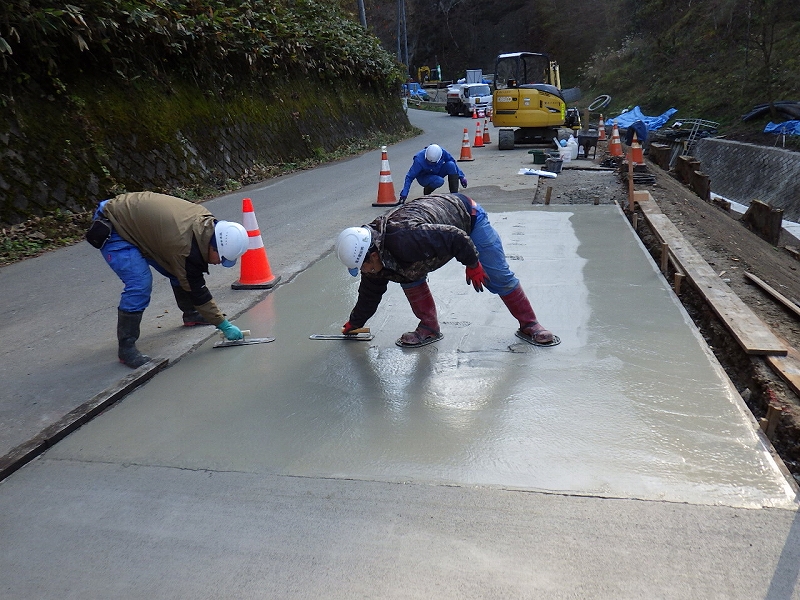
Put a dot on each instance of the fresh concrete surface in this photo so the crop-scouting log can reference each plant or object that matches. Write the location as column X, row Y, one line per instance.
column 314, row 469
column 631, row 404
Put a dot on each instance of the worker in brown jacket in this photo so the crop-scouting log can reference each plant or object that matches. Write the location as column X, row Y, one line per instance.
column 179, row 239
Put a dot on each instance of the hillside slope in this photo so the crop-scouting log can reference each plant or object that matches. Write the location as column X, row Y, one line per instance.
column 711, row 59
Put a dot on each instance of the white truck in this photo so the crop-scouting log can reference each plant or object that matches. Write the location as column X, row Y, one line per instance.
column 462, row 98
column 468, row 95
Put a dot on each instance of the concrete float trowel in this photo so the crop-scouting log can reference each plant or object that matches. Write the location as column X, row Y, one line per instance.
column 245, row 341
column 361, row 334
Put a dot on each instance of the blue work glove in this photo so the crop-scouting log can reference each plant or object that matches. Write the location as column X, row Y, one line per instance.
column 230, row 331
column 477, row 276
column 403, row 199
column 463, row 182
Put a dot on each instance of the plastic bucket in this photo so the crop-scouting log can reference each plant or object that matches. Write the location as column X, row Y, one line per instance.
column 539, row 157
column 553, row 165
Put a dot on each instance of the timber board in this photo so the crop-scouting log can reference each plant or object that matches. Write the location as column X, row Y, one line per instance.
column 747, row 328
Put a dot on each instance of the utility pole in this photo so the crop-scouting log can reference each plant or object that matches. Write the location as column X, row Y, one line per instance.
column 362, row 13
column 402, row 36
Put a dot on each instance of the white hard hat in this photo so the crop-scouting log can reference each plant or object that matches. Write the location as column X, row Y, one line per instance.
column 352, row 246
column 232, row 241
column 433, row 153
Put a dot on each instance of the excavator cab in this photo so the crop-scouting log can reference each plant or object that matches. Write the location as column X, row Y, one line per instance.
column 528, row 105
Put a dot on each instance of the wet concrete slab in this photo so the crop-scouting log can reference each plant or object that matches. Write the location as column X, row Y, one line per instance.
column 632, row 404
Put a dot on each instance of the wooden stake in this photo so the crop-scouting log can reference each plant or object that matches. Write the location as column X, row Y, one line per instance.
column 630, row 183
column 770, row 423
column 664, row 257
column 547, row 195
column 678, row 281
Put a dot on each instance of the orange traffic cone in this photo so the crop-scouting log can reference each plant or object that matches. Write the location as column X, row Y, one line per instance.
column 255, row 273
column 386, row 194
column 637, row 154
column 486, row 139
column 478, row 143
column 474, row 113
column 466, row 150
column 601, row 130
column 615, row 145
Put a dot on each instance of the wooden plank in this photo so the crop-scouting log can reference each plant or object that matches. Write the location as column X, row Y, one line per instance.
column 750, row 332
column 788, row 304
column 787, row 367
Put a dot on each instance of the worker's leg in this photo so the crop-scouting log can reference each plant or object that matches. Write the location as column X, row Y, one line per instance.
column 430, row 182
column 452, row 181
column 502, row 280
column 130, row 266
column 424, row 308
column 191, row 317
column 183, row 298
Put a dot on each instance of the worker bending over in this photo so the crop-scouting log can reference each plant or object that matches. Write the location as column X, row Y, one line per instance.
column 429, row 167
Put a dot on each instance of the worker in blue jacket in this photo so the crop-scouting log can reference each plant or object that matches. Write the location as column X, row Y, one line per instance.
column 429, row 167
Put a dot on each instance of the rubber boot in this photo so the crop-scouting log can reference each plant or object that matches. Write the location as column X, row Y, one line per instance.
column 453, row 181
column 428, row 190
column 127, row 334
column 191, row 317
column 424, row 308
column 520, row 308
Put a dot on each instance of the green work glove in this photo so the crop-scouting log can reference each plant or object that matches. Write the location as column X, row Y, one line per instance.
column 230, row 331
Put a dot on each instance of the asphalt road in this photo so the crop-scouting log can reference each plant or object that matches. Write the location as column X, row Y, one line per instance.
column 78, row 527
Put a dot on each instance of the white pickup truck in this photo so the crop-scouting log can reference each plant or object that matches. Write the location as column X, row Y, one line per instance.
column 463, row 97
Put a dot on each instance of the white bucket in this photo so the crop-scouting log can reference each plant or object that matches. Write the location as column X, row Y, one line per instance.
column 565, row 154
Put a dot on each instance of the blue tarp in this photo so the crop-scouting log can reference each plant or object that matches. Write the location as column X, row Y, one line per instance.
column 786, row 128
column 626, row 119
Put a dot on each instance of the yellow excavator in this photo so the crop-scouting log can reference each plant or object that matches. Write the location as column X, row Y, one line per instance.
column 428, row 77
column 528, row 105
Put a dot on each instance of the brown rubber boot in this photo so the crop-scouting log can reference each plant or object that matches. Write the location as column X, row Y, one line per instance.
column 424, row 308
column 520, row 308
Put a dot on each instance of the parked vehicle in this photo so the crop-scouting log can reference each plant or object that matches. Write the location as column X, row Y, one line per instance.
column 529, row 105
column 415, row 91
column 462, row 98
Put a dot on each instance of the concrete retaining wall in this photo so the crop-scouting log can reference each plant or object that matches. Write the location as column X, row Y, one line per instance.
column 745, row 172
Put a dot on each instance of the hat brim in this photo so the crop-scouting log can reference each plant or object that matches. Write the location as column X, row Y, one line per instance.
column 226, row 262
column 353, row 272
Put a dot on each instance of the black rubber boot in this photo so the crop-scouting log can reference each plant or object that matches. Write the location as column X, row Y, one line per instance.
column 453, row 181
column 191, row 317
column 127, row 334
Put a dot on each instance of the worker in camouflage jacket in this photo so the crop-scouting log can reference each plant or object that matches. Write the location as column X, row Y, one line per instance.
column 421, row 236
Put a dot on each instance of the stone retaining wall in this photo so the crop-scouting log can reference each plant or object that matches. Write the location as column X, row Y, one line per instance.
column 746, row 172
column 69, row 153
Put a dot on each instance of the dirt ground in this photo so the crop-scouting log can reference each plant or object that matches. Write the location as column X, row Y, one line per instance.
column 731, row 249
